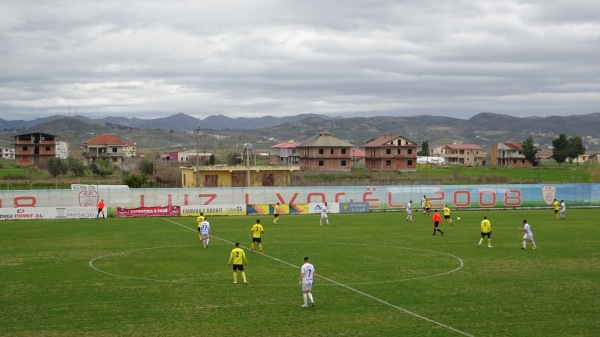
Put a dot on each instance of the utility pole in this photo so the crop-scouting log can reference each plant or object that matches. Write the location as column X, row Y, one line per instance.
column 248, row 146
column 197, row 157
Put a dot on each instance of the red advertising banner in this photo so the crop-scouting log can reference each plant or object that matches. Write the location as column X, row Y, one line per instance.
column 148, row 211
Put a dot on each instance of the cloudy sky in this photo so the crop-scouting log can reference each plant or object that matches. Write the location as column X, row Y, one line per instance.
column 349, row 58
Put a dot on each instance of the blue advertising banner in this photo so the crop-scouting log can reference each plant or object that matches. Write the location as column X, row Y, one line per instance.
column 354, row 207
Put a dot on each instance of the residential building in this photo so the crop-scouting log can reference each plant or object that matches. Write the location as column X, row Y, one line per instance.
column 107, row 147
column 460, row 154
column 285, row 153
column 130, row 149
column 508, row 154
column 7, row 153
column 357, row 158
column 62, row 149
column 34, row 148
column 237, row 176
column 393, row 153
column 325, row 153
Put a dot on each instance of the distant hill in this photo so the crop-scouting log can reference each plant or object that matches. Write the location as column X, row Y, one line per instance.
column 176, row 131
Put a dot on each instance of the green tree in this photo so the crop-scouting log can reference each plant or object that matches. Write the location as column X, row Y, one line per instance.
column 211, row 160
column 424, row 149
column 56, row 166
column 234, row 158
column 147, row 167
column 76, row 166
column 560, row 151
column 576, row 147
column 529, row 150
column 136, row 180
column 102, row 168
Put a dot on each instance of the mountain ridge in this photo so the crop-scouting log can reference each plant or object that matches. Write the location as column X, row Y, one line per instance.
column 176, row 130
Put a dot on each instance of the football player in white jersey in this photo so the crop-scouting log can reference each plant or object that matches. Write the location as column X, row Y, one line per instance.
column 409, row 211
column 204, row 230
column 528, row 235
column 324, row 211
column 307, row 274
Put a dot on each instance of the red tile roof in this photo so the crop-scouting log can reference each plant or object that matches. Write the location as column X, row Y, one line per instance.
column 105, row 139
column 288, row 144
column 464, row 147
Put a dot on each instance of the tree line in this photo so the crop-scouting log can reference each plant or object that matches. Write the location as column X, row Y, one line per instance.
column 563, row 148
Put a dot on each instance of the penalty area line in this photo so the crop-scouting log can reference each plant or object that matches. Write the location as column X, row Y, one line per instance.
column 406, row 311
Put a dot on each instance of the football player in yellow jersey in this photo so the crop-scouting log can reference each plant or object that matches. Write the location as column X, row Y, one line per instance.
column 199, row 220
column 238, row 257
column 256, row 233
column 427, row 206
column 486, row 230
column 447, row 214
column 556, row 208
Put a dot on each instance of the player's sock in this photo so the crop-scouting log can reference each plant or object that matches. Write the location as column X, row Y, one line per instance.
column 311, row 298
column 480, row 241
column 533, row 243
column 305, row 297
column 489, row 242
column 524, row 244
column 234, row 277
column 252, row 246
column 207, row 242
column 244, row 276
column 260, row 246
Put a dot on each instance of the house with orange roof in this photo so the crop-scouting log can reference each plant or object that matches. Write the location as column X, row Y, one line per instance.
column 509, row 155
column 285, row 153
column 325, row 153
column 109, row 147
column 460, row 154
column 390, row 152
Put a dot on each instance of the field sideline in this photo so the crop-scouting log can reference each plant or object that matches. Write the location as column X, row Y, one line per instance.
column 377, row 275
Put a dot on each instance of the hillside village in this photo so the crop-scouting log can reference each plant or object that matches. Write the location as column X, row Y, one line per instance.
column 321, row 153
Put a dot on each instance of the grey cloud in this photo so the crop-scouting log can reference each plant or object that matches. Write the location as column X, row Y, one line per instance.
column 260, row 57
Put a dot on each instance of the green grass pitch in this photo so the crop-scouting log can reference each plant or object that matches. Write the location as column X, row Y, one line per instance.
column 377, row 275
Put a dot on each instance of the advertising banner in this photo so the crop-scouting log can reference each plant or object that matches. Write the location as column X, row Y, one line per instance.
column 148, row 211
column 29, row 213
column 332, row 207
column 262, row 199
column 354, row 207
column 231, row 209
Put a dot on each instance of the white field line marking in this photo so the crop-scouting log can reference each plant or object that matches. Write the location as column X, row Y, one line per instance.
column 358, row 291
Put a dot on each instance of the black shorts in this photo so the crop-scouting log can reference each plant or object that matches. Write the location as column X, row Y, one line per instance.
column 256, row 240
column 99, row 210
column 446, row 217
column 239, row 267
column 555, row 211
column 488, row 234
column 428, row 209
column 276, row 215
column 436, row 224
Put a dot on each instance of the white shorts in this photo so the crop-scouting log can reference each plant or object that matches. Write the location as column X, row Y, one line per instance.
column 205, row 237
column 528, row 237
column 307, row 286
column 324, row 216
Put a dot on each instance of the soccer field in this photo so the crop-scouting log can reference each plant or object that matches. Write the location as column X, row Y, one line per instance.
column 377, row 275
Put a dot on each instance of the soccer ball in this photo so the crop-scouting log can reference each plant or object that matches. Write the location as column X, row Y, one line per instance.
column 458, row 218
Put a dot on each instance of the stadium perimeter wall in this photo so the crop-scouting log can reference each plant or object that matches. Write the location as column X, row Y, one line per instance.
column 378, row 197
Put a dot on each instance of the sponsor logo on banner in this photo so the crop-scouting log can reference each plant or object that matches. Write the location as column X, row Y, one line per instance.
column 30, row 213
column 148, row 211
column 88, row 198
column 548, row 194
column 354, row 207
column 232, row 209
